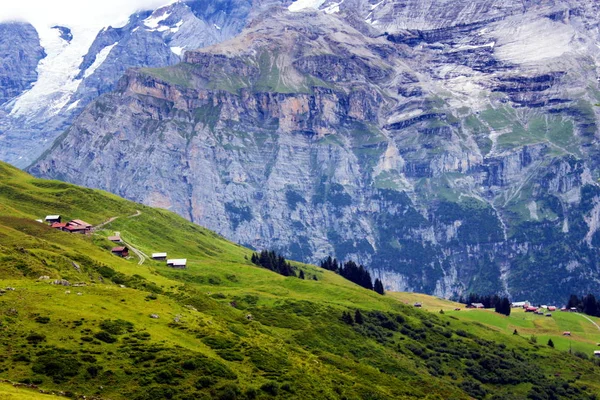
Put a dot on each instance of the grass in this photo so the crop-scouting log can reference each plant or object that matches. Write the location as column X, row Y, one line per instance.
column 227, row 329
column 584, row 335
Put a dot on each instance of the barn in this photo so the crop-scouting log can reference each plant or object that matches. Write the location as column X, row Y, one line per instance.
column 120, row 251
column 177, row 263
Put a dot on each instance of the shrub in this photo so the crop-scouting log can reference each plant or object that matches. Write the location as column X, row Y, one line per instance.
column 42, row 320
column 271, row 388
column 57, row 366
column 105, row 337
column 35, row 338
column 116, row 327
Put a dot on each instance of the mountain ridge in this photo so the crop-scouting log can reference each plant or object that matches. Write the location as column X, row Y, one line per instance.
column 451, row 160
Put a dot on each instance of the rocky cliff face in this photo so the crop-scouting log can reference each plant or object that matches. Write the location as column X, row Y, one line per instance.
column 20, row 52
column 82, row 63
column 449, row 148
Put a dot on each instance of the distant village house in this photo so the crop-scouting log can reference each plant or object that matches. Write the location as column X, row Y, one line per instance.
column 177, row 263
column 159, row 256
column 120, row 251
column 52, row 219
column 116, row 239
column 476, row 305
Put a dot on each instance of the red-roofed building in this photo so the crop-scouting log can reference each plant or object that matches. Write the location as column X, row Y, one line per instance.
column 531, row 309
column 76, row 229
column 79, row 222
column 58, row 225
column 120, row 251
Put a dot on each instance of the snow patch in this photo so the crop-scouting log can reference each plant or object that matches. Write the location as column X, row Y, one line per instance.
column 374, row 6
column 100, row 58
column 333, row 8
column 73, row 105
column 153, row 21
column 532, row 42
column 177, row 50
column 56, row 72
column 175, row 28
column 301, row 5
column 217, row 26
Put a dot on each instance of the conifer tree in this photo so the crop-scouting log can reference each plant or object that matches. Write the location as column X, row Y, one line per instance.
column 550, row 343
column 301, row 276
column 358, row 318
column 379, row 287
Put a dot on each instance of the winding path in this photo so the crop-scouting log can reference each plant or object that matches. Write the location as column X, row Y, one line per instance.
column 589, row 319
column 141, row 255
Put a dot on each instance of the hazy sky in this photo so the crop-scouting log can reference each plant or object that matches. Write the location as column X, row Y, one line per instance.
column 74, row 12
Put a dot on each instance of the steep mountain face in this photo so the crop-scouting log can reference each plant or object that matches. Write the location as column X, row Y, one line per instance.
column 450, row 146
column 73, row 65
column 20, row 52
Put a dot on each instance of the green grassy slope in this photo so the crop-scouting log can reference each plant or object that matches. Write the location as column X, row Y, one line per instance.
column 226, row 328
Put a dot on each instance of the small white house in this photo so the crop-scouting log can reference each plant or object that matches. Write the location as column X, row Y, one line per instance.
column 52, row 218
column 520, row 304
column 159, row 256
column 597, row 353
column 177, row 263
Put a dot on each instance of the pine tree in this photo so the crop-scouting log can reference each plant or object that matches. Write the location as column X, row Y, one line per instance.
column 379, row 287
column 301, row 276
column 550, row 343
column 347, row 318
column 358, row 318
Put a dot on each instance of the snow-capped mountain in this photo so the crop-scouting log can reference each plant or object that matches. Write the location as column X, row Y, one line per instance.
column 50, row 73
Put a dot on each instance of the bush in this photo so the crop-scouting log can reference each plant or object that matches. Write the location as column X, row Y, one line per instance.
column 105, row 337
column 57, row 366
column 42, row 320
column 271, row 388
column 116, row 327
column 35, row 338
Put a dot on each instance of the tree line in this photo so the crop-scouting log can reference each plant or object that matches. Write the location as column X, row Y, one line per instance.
column 354, row 273
column 586, row 304
column 500, row 304
column 274, row 262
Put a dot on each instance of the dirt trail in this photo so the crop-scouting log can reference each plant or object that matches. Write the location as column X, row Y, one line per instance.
column 589, row 319
column 141, row 255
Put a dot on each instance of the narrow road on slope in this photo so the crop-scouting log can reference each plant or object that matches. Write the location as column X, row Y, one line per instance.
column 111, row 219
column 589, row 319
column 141, row 255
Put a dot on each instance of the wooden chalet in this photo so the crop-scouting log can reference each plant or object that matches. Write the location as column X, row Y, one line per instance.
column 58, row 225
column 78, row 226
column 597, row 354
column 159, row 256
column 120, row 251
column 52, row 219
column 177, row 263
column 116, row 239
column 477, row 305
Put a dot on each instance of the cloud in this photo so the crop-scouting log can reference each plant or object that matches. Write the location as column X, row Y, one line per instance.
column 74, row 12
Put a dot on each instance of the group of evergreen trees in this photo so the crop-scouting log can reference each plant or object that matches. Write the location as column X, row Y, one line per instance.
column 347, row 318
column 354, row 273
column 587, row 304
column 500, row 304
column 274, row 262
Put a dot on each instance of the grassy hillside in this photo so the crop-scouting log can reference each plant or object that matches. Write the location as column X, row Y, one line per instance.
column 227, row 329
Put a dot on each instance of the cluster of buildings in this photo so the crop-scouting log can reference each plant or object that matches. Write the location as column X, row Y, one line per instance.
column 178, row 263
column 79, row 226
column 73, row 226
column 123, row 251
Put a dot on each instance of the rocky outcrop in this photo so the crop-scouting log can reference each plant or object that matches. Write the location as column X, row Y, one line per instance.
column 463, row 159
